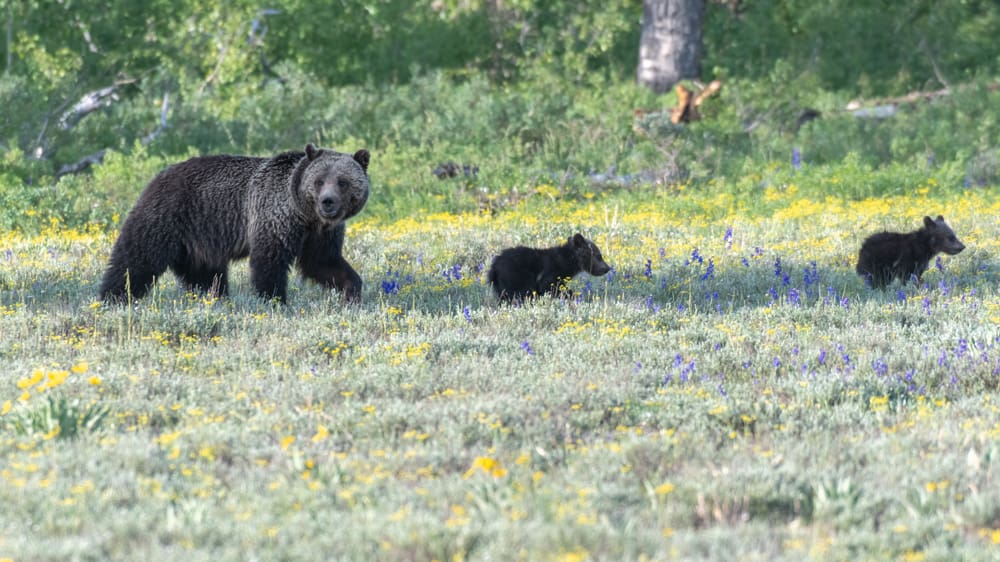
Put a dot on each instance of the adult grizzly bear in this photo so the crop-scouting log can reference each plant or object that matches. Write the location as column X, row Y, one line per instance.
column 197, row 216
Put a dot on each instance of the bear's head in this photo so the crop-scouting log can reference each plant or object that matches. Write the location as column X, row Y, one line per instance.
column 588, row 256
column 943, row 238
column 334, row 184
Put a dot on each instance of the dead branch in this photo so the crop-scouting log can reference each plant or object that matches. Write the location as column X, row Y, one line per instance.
column 98, row 157
column 163, row 121
column 82, row 164
column 91, row 102
column 886, row 107
column 686, row 109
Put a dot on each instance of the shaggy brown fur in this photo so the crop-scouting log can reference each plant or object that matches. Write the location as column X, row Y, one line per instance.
column 892, row 255
column 521, row 272
column 197, row 216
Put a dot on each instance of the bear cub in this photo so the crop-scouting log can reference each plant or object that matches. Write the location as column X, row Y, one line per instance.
column 520, row 273
column 893, row 255
column 197, row 216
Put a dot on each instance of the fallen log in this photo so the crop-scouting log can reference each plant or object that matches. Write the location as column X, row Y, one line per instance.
column 881, row 108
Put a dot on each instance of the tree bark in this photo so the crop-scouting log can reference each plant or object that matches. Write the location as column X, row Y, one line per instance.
column 670, row 44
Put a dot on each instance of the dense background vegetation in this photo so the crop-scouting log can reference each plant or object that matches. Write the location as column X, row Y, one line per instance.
column 531, row 92
column 731, row 391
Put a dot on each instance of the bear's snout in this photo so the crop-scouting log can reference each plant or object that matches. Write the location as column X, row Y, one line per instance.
column 599, row 268
column 329, row 207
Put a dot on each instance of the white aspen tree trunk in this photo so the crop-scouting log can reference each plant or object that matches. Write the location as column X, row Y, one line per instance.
column 670, row 44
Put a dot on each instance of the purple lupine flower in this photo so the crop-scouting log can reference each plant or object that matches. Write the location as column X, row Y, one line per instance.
column 793, row 296
column 390, row 287
column 843, row 355
column 709, row 271
column 880, row 367
column 963, row 346
column 687, row 371
column 796, row 158
column 695, row 257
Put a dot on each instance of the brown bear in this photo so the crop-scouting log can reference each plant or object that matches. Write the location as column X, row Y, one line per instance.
column 521, row 272
column 893, row 255
column 197, row 216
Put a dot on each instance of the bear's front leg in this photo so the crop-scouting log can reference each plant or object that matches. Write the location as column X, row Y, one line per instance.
column 338, row 274
column 322, row 260
column 348, row 281
column 270, row 260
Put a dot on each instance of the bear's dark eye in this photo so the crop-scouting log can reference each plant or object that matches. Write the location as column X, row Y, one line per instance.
column 318, row 183
column 342, row 183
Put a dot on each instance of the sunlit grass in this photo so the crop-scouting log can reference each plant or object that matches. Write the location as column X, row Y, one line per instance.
column 731, row 389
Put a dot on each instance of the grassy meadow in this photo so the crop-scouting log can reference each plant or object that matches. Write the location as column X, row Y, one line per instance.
column 731, row 391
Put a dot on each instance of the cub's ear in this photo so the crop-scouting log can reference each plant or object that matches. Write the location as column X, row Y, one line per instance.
column 362, row 157
column 929, row 222
column 940, row 218
column 578, row 240
column 311, row 151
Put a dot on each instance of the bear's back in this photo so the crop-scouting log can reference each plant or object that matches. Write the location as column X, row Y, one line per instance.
column 205, row 183
column 201, row 203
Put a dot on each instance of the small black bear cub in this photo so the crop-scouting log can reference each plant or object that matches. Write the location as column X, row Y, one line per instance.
column 893, row 255
column 521, row 272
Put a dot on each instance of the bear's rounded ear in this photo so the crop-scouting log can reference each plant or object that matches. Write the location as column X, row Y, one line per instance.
column 362, row 157
column 929, row 222
column 578, row 240
column 311, row 151
column 940, row 218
